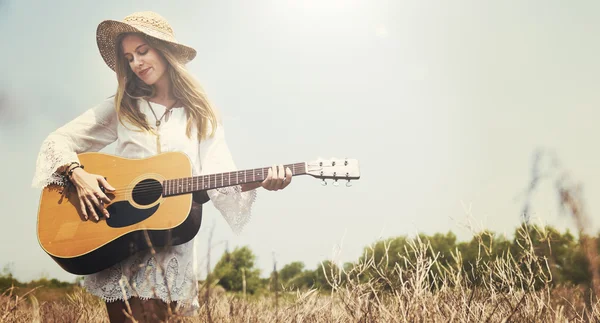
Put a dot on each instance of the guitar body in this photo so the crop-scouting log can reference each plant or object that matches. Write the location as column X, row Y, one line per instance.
column 140, row 217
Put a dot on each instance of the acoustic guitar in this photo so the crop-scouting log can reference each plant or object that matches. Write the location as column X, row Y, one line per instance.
column 151, row 207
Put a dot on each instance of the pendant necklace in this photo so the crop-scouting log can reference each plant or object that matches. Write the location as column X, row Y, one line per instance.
column 158, row 122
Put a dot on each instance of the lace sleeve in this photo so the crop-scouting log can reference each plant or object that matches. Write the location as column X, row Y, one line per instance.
column 232, row 203
column 91, row 131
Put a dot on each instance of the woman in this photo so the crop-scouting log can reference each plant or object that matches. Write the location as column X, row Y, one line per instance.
column 158, row 107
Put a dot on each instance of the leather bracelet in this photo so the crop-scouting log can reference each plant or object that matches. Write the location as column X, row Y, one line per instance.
column 72, row 169
column 68, row 167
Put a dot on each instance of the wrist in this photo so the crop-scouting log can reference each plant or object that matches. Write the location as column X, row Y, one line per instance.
column 74, row 171
column 64, row 169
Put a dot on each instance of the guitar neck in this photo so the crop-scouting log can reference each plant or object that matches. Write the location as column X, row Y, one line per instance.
column 186, row 185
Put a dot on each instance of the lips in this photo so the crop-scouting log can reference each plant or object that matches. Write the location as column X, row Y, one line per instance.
column 144, row 71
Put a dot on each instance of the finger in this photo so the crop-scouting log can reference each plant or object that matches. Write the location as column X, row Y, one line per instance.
column 271, row 184
column 102, row 198
column 288, row 177
column 82, row 208
column 92, row 197
column 277, row 180
column 272, row 181
column 91, row 209
column 281, row 176
column 105, row 183
column 265, row 184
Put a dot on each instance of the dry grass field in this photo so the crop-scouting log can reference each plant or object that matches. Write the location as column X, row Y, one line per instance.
column 422, row 290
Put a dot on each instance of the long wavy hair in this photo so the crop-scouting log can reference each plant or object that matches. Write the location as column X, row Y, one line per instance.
column 185, row 89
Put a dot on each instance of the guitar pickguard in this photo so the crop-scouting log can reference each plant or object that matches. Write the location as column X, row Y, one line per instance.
column 124, row 214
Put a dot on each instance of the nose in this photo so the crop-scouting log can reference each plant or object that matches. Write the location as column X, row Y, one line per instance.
column 137, row 61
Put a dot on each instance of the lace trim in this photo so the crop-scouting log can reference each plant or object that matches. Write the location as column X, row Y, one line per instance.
column 50, row 158
column 146, row 280
column 234, row 205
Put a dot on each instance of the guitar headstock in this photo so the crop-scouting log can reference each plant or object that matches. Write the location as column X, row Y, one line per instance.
column 334, row 168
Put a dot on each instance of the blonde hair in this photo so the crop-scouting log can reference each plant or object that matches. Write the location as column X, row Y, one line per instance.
column 185, row 89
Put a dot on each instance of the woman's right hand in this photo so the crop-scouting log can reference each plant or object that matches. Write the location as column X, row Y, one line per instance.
column 89, row 192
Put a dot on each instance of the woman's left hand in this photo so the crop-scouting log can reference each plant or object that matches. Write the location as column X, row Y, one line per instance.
column 277, row 179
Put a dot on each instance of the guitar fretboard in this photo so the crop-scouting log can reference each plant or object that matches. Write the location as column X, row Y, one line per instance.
column 206, row 182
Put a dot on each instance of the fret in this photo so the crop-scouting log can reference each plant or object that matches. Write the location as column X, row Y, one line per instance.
column 245, row 180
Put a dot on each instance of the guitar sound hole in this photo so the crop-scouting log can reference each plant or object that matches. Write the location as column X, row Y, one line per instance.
column 147, row 192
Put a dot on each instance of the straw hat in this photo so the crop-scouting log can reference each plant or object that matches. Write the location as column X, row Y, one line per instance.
column 146, row 22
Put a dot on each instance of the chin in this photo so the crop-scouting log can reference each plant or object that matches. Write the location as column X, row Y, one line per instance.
column 148, row 81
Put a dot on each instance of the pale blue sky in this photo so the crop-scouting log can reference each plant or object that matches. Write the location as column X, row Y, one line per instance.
column 442, row 102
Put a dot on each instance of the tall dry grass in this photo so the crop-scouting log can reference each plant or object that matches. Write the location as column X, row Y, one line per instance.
column 507, row 290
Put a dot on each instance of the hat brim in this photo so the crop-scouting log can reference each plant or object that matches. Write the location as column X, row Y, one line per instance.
column 109, row 30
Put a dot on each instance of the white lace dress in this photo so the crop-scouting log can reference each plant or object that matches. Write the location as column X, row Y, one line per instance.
column 169, row 275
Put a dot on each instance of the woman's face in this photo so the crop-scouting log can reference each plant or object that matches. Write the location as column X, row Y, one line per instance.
column 145, row 61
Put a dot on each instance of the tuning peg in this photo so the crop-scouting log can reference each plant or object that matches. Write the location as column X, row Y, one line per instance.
column 324, row 183
column 335, row 183
column 348, row 184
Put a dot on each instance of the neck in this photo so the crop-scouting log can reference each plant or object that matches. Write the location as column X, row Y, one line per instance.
column 186, row 185
column 163, row 89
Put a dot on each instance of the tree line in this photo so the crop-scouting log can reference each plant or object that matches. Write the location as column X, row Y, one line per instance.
column 563, row 256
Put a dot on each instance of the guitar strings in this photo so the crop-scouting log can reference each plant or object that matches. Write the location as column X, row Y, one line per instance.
column 199, row 179
column 149, row 188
